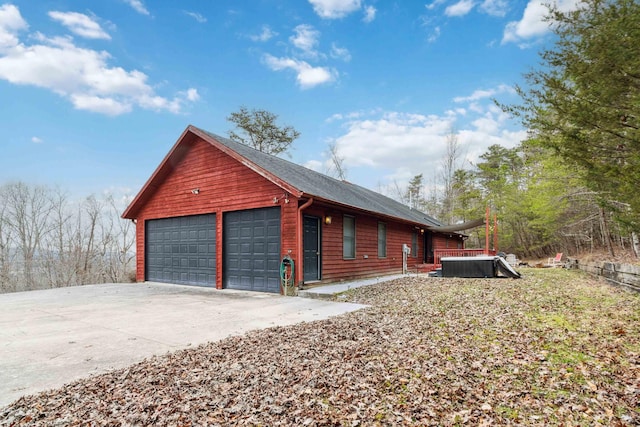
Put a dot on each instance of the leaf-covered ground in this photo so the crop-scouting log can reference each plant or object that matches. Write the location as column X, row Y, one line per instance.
column 555, row 348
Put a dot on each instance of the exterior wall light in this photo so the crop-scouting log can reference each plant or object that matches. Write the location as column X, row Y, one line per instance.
column 195, row 191
column 327, row 219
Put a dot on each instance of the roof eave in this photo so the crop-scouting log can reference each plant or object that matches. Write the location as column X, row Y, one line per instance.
column 370, row 212
column 132, row 209
column 134, row 206
column 246, row 162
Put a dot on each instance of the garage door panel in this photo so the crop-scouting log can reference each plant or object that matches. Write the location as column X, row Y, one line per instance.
column 181, row 250
column 273, row 247
column 252, row 250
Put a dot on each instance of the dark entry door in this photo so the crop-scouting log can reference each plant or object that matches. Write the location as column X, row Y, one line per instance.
column 428, row 248
column 251, row 258
column 311, row 244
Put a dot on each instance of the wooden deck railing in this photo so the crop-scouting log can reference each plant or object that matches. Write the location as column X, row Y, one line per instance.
column 438, row 254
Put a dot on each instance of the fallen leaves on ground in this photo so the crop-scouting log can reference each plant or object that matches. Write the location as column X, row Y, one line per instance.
column 555, row 348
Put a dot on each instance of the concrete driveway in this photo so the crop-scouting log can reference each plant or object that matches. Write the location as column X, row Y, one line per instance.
column 51, row 337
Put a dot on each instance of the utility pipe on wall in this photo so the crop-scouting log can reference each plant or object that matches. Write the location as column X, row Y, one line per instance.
column 299, row 243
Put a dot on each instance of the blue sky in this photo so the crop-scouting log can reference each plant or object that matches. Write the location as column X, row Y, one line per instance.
column 94, row 94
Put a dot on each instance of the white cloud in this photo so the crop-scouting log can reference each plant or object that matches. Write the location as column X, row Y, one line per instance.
column 495, row 7
column 340, row 53
column 195, row 15
column 98, row 104
column 11, row 23
column 400, row 145
column 36, row 140
column 461, row 8
column 315, row 165
column 532, row 25
column 80, row 24
column 306, row 75
column 191, row 94
column 138, row 6
column 434, row 4
column 265, row 35
column 333, row 9
column 435, row 34
column 485, row 93
column 392, row 140
column 81, row 75
column 352, row 115
column 306, row 39
column 369, row 14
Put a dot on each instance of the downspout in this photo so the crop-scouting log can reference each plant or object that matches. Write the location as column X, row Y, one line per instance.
column 486, row 232
column 299, row 243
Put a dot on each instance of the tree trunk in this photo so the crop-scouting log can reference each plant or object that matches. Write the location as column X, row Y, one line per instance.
column 635, row 243
column 606, row 234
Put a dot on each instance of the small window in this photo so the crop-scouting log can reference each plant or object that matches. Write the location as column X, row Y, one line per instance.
column 414, row 245
column 382, row 240
column 348, row 237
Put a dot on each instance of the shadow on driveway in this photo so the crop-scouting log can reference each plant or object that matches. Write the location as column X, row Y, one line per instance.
column 51, row 337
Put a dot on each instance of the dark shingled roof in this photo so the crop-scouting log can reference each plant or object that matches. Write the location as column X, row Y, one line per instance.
column 321, row 186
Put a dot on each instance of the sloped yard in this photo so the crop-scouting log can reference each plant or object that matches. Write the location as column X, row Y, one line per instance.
column 553, row 348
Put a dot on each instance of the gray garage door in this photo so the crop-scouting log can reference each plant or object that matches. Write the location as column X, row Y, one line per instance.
column 182, row 250
column 252, row 250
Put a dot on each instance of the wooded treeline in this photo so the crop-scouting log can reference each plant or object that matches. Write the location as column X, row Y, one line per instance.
column 47, row 240
column 543, row 206
column 573, row 185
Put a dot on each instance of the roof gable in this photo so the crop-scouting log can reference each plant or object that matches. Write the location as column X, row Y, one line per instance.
column 295, row 179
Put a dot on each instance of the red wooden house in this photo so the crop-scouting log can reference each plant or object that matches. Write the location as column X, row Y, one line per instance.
column 219, row 213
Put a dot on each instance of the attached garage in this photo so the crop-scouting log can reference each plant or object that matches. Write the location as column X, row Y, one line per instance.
column 252, row 250
column 216, row 212
column 182, row 250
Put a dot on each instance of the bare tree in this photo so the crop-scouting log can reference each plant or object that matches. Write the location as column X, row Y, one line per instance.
column 46, row 240
column 59, row 269
column 92, row 210
column 449, row 164
column 7, row 254
column 432, row 199
column 28, row 215
column 118, row 238
column 337, row 168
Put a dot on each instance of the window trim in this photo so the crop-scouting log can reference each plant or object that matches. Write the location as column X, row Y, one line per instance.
column 344, row 237
column 415, row 248
column 384, row 229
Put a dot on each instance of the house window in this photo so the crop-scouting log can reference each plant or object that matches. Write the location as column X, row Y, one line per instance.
column 414, row 245
column 348, row 237
column 382, row 240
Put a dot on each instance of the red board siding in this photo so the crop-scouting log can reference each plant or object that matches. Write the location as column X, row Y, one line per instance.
column 366, row 261
column 224, row 185
column 442, row 241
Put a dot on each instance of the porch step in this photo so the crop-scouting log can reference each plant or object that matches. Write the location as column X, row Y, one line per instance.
column 427, row 268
